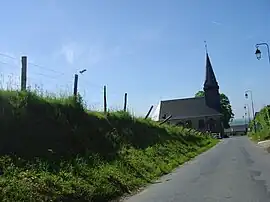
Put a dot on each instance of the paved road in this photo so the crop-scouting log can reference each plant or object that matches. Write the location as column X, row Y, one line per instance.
column 235, row 170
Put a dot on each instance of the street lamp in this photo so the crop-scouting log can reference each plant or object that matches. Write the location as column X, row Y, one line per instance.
column 82, row 71
column 252, row 105
column 246, row 107
column 258, row 53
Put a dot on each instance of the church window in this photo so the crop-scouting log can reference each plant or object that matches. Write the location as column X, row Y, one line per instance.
column 201, row 124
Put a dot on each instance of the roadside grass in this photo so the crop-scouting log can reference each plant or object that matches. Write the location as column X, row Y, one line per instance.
column 53, row 149
column 263, row 126
column 261, row 135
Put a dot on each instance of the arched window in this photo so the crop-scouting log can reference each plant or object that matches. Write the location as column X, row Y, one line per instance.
column 201, row 124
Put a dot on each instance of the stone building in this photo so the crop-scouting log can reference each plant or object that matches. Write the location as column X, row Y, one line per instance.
column 201, row 113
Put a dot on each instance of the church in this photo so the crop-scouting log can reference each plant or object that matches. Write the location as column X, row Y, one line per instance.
column 200, row 113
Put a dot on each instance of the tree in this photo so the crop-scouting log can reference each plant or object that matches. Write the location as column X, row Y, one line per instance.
column 226, row 108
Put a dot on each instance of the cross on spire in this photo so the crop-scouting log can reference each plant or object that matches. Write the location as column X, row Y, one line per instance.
column 205, row 45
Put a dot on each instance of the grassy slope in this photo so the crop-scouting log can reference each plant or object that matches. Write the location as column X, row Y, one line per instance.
column 53, row 150
column 263, row 128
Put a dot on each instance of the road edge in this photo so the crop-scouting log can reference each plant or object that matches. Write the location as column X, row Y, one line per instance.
column 141, row 189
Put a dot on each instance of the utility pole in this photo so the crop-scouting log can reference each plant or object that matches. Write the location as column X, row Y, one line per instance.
column 24, row 73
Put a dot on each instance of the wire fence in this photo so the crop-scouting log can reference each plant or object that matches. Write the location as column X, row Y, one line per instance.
column 48, row 81
column 9, row 73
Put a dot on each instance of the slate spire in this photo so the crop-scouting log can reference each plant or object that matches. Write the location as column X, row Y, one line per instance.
column 211, row 88
column 210, row 78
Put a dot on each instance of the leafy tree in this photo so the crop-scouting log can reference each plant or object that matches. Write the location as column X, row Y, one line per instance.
column 200, row 93
column 226, row 108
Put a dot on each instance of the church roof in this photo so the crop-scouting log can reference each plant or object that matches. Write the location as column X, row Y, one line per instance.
column 186, row 108
column 189, row 107
column 210, row 78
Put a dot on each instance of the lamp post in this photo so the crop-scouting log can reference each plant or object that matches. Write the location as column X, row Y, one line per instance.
column 246, row 107
column 252, row 105
column 258, row 53
column 245, row 120
column 246, row 125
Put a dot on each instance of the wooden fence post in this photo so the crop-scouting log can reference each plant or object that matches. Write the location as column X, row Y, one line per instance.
column 105, row 99
column 148, row 113
column 24, row 73
column 125, row 103
column 75, row 91
column 166, row 120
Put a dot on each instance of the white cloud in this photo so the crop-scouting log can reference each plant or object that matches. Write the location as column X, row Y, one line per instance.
column 216, row 23
column 77, row 54
column 69, row 54
column 70, row 51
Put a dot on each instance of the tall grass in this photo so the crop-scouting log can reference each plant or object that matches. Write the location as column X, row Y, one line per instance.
column 262, row 125
column 54, row 149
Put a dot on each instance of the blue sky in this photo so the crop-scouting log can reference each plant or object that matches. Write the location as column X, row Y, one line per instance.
column 150, row 49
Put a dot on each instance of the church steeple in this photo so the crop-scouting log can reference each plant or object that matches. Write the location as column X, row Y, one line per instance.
column 210, row 78
column 211, row 88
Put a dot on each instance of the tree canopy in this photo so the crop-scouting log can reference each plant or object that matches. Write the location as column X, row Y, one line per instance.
column 226, row 108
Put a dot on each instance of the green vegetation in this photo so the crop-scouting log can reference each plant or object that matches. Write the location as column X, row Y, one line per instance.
column 53, row 149
column 262, row 125
column 226, row 108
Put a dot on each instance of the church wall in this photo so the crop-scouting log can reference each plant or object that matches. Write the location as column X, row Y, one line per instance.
column 196, row 125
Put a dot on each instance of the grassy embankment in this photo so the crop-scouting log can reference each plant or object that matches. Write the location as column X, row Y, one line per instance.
column 263, row 125
column 53, row 149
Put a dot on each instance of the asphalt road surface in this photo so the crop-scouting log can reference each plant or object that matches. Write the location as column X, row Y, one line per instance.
column 235, row 170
